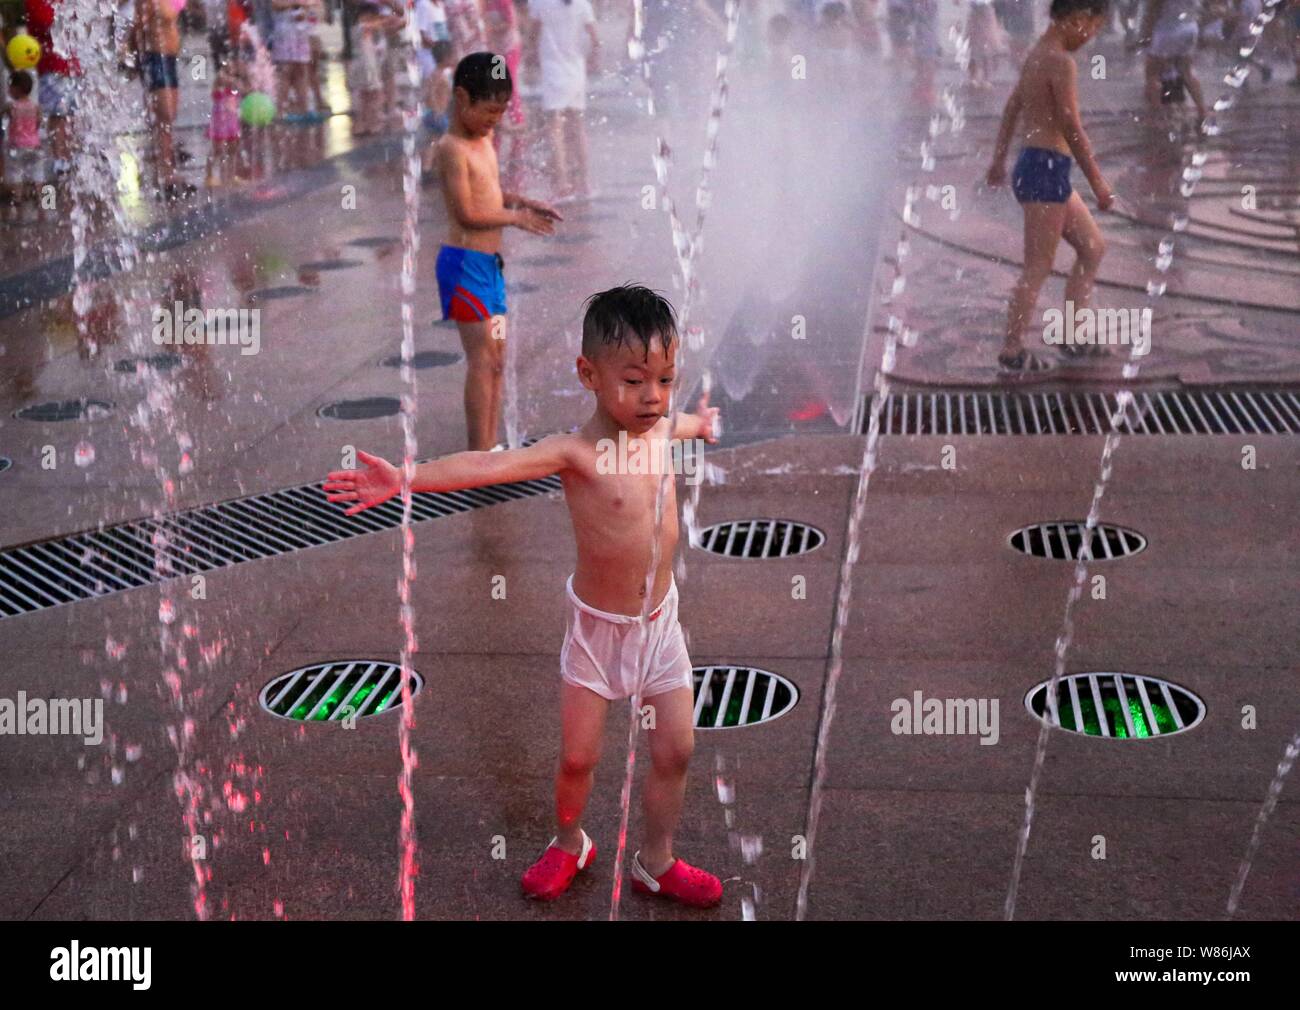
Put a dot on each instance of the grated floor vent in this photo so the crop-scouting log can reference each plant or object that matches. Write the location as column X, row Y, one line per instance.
column 1063, row 541
column 999, row 412
column 361, row 410
column 275, row 294
column 761, row 538
column 731, row 696
column 113, row 559
column 65, row 410
column 158, row 362
column 423, row 359
column 334, row 264
column 1117, row 706
column 337, row 691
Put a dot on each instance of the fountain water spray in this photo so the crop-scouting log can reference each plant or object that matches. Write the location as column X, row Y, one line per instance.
column 1270, row 802
column 896, row 331
column 1155, row 289
column 81, row 31
column 408, row 843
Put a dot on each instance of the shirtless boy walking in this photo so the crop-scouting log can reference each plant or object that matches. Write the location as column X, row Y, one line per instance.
column 158, row 39
column 1048, row 99
column 470, row 279
column 629, row 349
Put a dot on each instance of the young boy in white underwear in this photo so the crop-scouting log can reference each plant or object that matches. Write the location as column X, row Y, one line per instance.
column 629, row 350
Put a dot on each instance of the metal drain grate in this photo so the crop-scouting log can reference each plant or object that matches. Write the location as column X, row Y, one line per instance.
column 65, row 410
column 83, row 566
column 546, row 260
column 730, row 696
column 159, row 362
column 1063, row 540
column 333, row 692
column 274, row 294
column 335, row 264
column 424, row 359
column 1181, row 412
column 1118, row 706
column 361, row 410
column 761, row 538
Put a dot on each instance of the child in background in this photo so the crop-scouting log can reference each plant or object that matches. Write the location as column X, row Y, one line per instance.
column 868, row 29
column 431, row 23
column 315, row 13
column 985, row 42
column 834, row 35
column 370, row 45
column 1047, row 98
column 1171, row 31
column 291, row 50
column 469, row 268
column 223, row 130
column 22, row 167
column 465, row 22
column 502, row 26
column 438, row 101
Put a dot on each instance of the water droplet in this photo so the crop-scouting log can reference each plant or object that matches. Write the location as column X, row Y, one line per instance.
column 84, row 454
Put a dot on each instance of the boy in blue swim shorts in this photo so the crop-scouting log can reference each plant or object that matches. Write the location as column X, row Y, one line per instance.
column 471, row 283
column 1047, row 98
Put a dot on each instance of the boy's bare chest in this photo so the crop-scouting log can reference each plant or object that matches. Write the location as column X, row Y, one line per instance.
column 622, row 500
column 483, row 172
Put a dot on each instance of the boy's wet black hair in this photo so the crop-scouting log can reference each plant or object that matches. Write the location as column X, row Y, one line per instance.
column 484, row 76
column 22, row 81
column 617, row 316
column 1064, row 8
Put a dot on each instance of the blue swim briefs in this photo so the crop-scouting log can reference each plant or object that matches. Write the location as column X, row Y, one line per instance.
column 160, row 71
column 1041, row 176
column 471, row 284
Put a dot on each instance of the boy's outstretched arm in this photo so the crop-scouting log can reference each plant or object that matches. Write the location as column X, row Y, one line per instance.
column 704, row 423
column 998, row 168
column 1063, row 81
column 381, row 480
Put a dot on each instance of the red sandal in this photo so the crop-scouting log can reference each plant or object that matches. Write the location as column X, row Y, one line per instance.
column 551, row 875
column 685, row 883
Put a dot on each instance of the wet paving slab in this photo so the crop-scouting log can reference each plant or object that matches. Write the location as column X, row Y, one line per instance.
column 303, row 820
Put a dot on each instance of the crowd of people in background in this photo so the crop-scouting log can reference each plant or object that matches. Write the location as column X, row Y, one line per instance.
column 266, row 63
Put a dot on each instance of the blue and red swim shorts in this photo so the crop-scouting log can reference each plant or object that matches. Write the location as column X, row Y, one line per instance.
column 471, row 284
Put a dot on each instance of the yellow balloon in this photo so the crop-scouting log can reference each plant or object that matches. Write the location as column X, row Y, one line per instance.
column 24, row 52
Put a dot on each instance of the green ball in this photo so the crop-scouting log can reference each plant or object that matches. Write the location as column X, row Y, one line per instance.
column 257, row 109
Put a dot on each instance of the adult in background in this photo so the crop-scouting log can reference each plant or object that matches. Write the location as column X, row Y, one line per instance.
column 565, row 33
column 158, row 39
column 1170, row 31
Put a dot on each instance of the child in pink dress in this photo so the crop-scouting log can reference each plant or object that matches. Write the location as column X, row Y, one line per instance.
column 223, row 129
column 22, row 163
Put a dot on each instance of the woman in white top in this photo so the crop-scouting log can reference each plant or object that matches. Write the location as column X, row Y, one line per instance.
column 564, row 33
